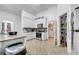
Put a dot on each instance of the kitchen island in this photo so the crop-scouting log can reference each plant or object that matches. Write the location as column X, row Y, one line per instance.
column 6, row 40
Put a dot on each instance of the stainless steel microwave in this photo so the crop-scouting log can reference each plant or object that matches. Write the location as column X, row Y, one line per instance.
column 39, row 25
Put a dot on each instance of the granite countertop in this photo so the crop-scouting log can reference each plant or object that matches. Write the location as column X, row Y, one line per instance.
column 10, row 37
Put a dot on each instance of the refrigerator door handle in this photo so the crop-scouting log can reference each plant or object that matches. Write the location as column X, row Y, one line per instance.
column 76, row 30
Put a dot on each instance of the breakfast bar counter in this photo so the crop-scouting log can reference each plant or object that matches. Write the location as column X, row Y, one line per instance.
column 6, row 40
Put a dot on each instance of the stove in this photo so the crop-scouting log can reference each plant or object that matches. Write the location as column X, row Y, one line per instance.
column 39, row 35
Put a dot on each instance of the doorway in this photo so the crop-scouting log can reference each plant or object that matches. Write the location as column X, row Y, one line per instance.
column 52, row 33
column 63, row 30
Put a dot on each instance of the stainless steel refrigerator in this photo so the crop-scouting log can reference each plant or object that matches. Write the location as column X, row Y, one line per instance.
column 75, row 31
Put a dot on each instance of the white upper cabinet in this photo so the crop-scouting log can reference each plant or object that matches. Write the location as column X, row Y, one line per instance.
column 41, row 21
column 27, row 20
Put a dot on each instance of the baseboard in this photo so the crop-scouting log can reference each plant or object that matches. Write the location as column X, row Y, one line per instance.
column 30, row 39
column 36, row 39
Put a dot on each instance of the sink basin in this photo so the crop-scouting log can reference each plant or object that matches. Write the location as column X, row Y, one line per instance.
column 12, row 33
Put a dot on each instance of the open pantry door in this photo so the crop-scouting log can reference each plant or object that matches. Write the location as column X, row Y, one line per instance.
column 63, row 30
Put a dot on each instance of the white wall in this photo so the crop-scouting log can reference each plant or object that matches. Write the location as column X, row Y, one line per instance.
column 51, row 13
column 65, row 8
column 4, row 16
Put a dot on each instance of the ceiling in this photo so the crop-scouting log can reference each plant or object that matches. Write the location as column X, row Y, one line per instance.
column 31, row 8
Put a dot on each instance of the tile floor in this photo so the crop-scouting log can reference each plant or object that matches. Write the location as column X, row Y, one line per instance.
column 37, row 47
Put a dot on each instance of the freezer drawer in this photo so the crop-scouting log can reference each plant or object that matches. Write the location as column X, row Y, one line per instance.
column 76, row 43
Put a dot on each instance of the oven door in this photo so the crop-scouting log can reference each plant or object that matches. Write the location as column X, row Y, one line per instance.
column 38, row 35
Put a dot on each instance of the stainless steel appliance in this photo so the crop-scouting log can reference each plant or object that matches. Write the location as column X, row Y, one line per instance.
column 75, row 31
column 39, row 25
column 38, row 35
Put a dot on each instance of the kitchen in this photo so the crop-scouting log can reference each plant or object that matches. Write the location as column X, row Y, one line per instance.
column 37, row 28
column 21, row 25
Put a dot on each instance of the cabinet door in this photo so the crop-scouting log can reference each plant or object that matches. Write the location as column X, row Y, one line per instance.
column 3, row 27
column 41, row 21
column 8, row 27
column 45, row 23
column 28, row 22
column 0, row 48
column 44, row 36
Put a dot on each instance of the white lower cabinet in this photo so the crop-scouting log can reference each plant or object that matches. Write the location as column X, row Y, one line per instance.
column 44, row 35
column 30, row 35
column 0, row 49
